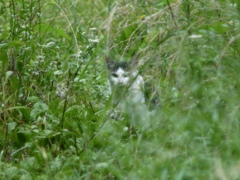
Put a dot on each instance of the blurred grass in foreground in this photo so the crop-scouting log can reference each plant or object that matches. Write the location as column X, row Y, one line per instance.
column 54, row 94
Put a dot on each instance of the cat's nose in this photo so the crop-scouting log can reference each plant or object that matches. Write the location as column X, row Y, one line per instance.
column 120, row 82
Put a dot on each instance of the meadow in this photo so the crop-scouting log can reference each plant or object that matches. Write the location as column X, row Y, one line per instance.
column 54, row 98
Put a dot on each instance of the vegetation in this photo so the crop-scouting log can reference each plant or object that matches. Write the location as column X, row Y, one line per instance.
column 55, row 101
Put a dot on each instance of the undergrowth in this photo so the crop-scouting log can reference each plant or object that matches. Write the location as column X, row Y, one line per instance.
column 55, row 97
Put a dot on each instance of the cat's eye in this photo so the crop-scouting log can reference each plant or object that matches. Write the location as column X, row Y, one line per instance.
column 125, row 74
column 114, row 75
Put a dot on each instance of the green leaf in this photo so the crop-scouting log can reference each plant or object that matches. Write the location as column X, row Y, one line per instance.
column 11, row 172
column 33, row 99
column 58, row 72
column 217, row 27
column 55, row 31
column 61, row 32
column 11, row 126
column 3, row 60
column 8, row 74
column 74, row 110
column 38, row 109
column 17, row 107
column 26, row 177
column 15, row 44
column 3, row 45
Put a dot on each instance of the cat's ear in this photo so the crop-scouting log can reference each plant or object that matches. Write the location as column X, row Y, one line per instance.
column 135, row 60
column 110, row 62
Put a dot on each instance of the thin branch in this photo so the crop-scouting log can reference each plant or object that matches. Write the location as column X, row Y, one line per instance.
column 171, row 11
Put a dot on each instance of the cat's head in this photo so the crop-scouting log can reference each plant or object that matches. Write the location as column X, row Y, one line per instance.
column 119, row 72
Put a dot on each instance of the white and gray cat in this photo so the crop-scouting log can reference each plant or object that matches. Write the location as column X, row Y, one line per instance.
column 127, row 88
column 125, row 82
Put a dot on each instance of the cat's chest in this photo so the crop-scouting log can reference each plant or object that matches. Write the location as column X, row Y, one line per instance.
column 136, row 90
column 131, row 93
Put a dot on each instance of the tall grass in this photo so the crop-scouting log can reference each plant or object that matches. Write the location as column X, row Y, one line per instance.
column 55, row 101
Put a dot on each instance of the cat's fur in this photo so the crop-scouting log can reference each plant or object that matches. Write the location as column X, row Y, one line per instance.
column 125, row 82
column 127, row 91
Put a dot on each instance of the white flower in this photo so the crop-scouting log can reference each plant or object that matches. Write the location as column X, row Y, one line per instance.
column 93, row 40
column 61, row 90
column 40, row 57
column 125, row 128
column 79, row 53
column 50, row 44
column 93, row 29
column 195, row 36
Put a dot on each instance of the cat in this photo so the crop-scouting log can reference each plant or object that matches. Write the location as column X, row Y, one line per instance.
column 126, row 84
column 127, row 88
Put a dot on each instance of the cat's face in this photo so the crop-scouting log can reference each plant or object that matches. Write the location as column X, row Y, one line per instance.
column 119, row 74
column 120, row 77
column 125, row 81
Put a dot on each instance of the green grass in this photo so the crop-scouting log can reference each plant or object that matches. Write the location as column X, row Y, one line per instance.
column 54, row 93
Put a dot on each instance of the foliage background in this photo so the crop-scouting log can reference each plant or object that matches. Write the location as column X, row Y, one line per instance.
column 54, row 92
